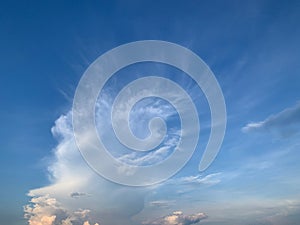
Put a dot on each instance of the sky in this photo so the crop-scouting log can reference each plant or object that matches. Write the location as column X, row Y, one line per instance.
column 253, row 49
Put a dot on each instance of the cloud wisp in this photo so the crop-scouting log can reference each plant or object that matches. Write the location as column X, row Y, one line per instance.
column 286, row 123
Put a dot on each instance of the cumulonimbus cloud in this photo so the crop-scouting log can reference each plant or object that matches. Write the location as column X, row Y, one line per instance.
column 74, row 187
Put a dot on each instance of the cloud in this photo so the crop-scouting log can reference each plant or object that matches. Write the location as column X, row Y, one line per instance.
column 71, row 181
column 210, row 179
column 78, row 194
column 87, row 223
column 161, row 203
column 256, row 211
column 45, row 210
column 140, row 116
column 178, row 218
column 63, row 201
column 152, row 157
column 286, row 123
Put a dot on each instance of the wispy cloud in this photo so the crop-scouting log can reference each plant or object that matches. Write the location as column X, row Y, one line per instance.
column 286, row 122
column 152, row 157
column 210, row 179
column 161, row 203
column 138, row 121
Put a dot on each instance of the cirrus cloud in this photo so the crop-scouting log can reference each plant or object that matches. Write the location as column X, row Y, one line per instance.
column 286, row 122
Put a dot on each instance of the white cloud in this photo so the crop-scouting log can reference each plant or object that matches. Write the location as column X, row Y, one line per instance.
column 87, row 223
column 152, row 157
column 210, row 179
column 42, row 210
column 74, row 185
column 286, row 123
column 178, row 218
column 72, row 181
column 140, row 116
column 45, row 210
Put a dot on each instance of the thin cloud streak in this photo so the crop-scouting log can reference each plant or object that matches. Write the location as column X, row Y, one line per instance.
column 286, row 123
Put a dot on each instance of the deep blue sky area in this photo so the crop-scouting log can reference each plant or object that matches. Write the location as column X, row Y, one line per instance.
column 251, row 46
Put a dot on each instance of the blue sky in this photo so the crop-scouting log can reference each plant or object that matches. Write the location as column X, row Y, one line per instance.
column 251, row 46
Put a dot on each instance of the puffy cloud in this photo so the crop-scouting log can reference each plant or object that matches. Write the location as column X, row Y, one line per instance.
column 87, row 223
column 42, row 210
column 45, row 210
column 43, row 220
column 178, row 218
column 286, row 123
